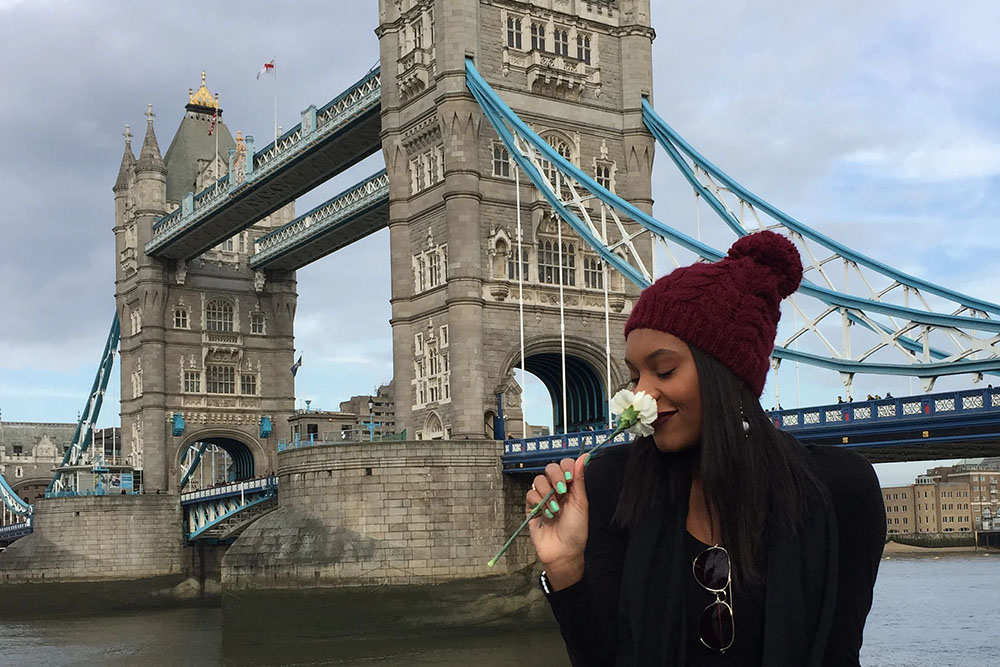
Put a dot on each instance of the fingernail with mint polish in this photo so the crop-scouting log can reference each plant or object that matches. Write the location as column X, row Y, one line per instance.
column 548, row 515
column 554, row 505
column 569, row 476
column 560, row 487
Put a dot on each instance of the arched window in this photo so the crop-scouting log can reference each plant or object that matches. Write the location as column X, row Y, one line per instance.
column 549, row 170
column 433, row 430
column 219, row 315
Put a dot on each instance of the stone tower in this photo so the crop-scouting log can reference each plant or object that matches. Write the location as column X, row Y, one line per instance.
column 576, row 71
column 206, row 344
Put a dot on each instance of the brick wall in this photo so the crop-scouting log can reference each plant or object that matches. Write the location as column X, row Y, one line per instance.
column 393, row 512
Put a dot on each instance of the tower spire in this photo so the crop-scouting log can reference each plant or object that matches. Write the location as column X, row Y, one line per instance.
column 149, row 156
column 128, row 162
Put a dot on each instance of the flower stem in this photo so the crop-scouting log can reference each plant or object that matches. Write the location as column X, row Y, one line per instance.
column 540, row 506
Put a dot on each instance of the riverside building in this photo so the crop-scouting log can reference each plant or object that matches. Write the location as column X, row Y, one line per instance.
column 947, row 499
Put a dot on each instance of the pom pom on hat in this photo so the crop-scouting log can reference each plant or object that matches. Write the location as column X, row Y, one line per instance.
column 773, row 252
column 729, row 309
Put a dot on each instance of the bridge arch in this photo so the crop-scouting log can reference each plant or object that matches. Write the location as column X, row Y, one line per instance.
column 248, row 455
column 586, row 378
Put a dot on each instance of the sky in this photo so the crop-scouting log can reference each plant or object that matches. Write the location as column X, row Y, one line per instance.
column 874, row 123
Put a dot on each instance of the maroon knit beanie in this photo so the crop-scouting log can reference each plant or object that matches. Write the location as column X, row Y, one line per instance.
column 729, row 309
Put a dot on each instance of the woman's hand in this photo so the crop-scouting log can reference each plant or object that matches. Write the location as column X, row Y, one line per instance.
column 559, row 532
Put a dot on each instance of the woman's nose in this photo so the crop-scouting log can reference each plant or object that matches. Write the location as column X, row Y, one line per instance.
column 647, row 385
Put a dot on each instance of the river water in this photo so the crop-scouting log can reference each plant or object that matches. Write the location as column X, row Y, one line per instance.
column 939, row 612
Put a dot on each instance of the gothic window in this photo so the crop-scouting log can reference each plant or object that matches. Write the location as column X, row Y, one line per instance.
column 602, row 174
column 427, row 169
column 593, row 272
column 512, row 265
column 501, row 160
column 417, row 165
column 421, row 271
column 192, row 382
column 220, row 379
column 219, row 315
column 537, row 36
column 135, row 319
column 137, row 382
column 418, row 34
column 560, row 38
column 443, row 340
column 257, row 322
column 248, row 384
column 181, row 318
column 432, row 427
column 227, row 246
column 432, row 170
column 18, row 471
column 548, row 262
column 549, row 170
column 583, row 47
column 513, row 32
column 434, row 269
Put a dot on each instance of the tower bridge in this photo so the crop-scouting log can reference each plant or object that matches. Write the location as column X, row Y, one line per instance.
column 518, row 141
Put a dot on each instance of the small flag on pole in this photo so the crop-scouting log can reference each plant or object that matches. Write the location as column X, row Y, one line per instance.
column 268, row 68
column 215, row 119
column 296, row 365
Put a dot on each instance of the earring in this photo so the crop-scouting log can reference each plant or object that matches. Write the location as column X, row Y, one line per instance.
column 746, row 424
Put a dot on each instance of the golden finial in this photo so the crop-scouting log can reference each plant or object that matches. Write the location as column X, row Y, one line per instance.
column 202, row 97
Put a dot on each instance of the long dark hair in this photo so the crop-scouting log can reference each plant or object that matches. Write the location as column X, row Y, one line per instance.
column 752, row 481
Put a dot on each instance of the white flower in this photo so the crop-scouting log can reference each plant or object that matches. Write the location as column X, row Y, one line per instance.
column 637, row 411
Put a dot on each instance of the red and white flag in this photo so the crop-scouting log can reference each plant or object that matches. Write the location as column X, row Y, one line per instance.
column 215, row 118
column 268, row 68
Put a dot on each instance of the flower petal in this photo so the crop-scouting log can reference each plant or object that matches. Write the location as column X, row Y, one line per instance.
column 620, row 401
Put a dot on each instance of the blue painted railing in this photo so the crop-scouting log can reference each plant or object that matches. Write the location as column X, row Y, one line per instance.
column 13, row 531
column 843, row 415
column 532, row 454
column 949, row 410
column 269, row 483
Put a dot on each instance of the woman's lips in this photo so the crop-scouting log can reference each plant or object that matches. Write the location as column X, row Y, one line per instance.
column 663, row 418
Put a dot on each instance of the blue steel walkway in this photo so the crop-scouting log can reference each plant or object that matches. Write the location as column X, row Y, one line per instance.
column 961, row 424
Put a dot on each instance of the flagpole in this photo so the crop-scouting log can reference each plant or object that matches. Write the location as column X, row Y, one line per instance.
column 274, row 70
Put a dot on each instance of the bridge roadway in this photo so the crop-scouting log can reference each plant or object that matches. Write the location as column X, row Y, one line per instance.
column 326, row 142
column 948, row 425
column 220, row 513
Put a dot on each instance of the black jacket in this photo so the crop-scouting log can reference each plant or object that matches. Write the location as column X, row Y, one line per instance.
column 818, row 593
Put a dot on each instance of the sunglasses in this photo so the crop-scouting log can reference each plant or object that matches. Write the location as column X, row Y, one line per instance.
column 712, row 571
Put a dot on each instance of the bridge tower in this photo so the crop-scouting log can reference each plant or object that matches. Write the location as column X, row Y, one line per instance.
column 206, row 344
column 576, row 70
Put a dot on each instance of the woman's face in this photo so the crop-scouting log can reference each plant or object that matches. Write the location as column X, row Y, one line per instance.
column 662, row 366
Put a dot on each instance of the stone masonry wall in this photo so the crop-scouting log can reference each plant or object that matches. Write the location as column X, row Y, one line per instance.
column 374, row 513
column 98, row 538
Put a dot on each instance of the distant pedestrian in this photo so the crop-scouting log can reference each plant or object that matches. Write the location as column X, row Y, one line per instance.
column 888, row 395
column 840, row 400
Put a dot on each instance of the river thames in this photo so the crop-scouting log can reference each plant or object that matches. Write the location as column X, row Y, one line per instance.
column 936, row 611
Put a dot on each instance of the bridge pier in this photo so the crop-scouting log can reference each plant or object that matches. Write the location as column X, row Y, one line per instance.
column 382, row 513
column 110, row 552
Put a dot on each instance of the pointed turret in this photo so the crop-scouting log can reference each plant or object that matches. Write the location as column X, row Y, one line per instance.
column 150, row 174
column 149, row 156
column 127, row 169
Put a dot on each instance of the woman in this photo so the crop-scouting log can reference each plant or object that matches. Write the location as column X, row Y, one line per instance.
column 717, row 540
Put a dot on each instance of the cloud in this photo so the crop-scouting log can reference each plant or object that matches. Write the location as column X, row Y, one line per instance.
column 873, row 123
